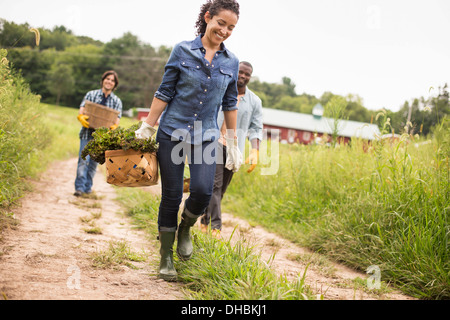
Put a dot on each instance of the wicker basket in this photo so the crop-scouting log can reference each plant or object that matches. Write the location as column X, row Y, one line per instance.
column 99, row 115
column 131, row 168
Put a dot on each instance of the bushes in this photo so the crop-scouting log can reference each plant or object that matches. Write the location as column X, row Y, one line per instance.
column 22, row 133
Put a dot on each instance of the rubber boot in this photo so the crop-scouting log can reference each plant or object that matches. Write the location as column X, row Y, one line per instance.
column 184, row 246
column 166, row 268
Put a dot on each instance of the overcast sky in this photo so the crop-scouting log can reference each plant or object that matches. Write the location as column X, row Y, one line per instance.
column 385, row 51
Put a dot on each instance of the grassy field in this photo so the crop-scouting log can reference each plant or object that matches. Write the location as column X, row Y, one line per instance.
column 385, row 206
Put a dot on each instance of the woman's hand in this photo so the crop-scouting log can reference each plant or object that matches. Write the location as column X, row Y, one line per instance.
column 145, row 131
column 234, row 156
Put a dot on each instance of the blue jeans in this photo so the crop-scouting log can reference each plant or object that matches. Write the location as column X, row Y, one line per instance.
column 86, row 170
column 202, row 167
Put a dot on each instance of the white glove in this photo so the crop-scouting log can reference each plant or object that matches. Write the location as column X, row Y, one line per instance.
column 234, row 156
column 145, row 131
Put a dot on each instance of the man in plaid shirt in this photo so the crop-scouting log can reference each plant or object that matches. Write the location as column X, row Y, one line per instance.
column 86, row 169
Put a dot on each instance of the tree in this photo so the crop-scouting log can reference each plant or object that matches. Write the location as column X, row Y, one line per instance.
column 422, row 115
column 289, row 86
column 13, row 35
column 140, row 72
column 440, row 106
column 60, row 80
column 33, row 65
column 300, row 104
column 87, row 67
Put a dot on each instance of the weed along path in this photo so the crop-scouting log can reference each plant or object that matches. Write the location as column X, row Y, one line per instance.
column 62, row 243
column 49, row 255
column 327, row 279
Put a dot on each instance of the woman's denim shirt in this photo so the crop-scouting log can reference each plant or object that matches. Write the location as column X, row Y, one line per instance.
column 195, row 89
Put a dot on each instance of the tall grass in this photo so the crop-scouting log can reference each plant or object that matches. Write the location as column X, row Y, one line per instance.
column 22, row 133
column 386, row 205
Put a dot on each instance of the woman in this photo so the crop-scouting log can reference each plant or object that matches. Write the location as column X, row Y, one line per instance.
column 200, row 77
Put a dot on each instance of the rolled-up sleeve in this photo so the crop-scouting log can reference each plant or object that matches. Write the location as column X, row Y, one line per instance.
column 229, row 102
column 166, row 90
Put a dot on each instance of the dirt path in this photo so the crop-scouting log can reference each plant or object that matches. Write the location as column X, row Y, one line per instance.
column 48, row 256
column 328, row 279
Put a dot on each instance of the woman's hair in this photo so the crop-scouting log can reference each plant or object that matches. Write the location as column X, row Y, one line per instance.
column 116, row 77
column 214, row 7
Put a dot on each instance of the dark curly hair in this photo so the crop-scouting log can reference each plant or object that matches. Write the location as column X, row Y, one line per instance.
column 214, row 7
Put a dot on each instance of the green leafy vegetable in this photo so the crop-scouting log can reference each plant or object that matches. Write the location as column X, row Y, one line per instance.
column 119, row 139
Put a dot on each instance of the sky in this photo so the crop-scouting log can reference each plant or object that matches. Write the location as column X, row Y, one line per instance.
column 385, row 51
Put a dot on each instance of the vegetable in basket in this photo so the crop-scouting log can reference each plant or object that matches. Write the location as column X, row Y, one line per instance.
column 105, row 139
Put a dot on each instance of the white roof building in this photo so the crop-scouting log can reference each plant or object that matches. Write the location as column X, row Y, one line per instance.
column 316, row 123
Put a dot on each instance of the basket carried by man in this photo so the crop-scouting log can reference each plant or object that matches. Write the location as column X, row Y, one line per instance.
column 99, row 115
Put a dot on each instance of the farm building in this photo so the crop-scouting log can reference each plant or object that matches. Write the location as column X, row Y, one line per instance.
column 306, row 128
column 309, row 128
column 142, row 113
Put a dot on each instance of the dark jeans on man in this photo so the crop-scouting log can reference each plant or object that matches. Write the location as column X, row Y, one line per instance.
column 202, row 166
column 86, row 170
column 222, row 179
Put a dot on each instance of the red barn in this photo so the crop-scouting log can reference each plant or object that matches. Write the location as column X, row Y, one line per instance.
column 306, row 128
column 309, row 128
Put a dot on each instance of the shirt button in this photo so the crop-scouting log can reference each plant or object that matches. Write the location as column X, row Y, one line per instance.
column 195, row 115
column 212, row 65
column 189, row 126
column 206, row 90
column 198, row 67
column 201, row 102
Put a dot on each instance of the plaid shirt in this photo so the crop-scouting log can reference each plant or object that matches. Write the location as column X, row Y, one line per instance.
column 97, row 96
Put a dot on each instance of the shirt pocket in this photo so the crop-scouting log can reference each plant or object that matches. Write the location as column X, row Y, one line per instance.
column 190, row 71
column 224, row 78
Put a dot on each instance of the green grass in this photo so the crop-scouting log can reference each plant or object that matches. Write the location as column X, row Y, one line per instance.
column 22, row 134
column 117, row 254
column 388, row 206
column 218, row 269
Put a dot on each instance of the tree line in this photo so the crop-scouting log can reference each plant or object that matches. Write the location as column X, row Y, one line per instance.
column 65, row 66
